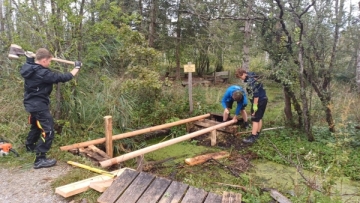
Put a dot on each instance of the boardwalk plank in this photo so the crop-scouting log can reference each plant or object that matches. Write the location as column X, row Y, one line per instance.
column 155, row 190
column 137, row 188
column 119, row 185
column 213, row 198
column 194, row 195
column 174, row 193
column 229, row 197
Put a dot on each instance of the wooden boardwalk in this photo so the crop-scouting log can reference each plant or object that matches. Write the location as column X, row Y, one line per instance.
column 140, row 187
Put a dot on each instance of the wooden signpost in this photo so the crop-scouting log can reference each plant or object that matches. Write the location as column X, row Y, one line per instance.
column 190, row 68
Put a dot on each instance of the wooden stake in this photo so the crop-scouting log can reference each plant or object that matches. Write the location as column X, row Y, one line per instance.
column 145, row 150
column 213, row 137
column 133, row 133
column 108, row 136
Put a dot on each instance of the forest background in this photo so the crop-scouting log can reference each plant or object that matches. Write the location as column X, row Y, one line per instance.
column 309, row 50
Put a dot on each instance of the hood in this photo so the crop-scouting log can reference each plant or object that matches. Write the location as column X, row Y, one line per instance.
column 28, row 69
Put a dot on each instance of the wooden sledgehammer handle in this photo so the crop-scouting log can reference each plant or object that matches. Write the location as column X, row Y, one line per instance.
column 63, row 61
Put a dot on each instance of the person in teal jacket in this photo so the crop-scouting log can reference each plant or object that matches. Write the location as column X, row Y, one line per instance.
column 234, row 93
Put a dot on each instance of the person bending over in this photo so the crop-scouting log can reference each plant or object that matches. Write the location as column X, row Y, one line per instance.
column 234, row 93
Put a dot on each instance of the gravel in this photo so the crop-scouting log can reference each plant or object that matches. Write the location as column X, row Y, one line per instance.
column 28, row 185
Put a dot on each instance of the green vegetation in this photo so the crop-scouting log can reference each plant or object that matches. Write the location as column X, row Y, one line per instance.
column 332, row 154
column 307, row 50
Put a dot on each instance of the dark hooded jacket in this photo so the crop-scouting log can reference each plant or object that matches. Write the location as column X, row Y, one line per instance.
column 39, row 84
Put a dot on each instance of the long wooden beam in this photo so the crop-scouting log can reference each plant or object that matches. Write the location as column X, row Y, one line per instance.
column 133, row 133
column 145, row 150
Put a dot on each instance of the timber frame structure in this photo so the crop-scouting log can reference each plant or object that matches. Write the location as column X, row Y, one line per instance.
column 139, row 154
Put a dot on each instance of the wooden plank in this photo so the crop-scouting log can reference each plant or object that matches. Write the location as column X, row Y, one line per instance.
column 92, row 154
column 194, row 195
column 155, row 191
column 101, row 186
column 229, row 197
column 279, row 197
column 118, row 186
column 174, row 193
column 213, row 198
column 209, row 123
column 83, row 185
column 219, row 117
column 99, row 151
column 203, row 158
column 136, row 189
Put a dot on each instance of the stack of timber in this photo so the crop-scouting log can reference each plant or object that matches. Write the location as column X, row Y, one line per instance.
column 99, row 183
column 94, row 153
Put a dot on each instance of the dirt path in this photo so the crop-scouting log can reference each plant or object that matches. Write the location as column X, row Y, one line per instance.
column 27, row 185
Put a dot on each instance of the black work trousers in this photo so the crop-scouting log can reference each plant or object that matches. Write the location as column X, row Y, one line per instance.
column 41, row 132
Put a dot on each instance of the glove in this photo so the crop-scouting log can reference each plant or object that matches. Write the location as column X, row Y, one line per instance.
column 30, row 57
column 255, row 107
column 29, row 54
column 78, row 64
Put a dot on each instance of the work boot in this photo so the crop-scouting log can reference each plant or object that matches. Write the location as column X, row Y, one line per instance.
column 44, row 163
column 258, row 135
column 251, row 139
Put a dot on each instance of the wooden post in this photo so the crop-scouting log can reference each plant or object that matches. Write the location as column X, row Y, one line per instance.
column 108, row 135
column 190, row 91
column 189, row 68
column 133, row 133
column 140, row 163
column 154, row 147
column 213, row 137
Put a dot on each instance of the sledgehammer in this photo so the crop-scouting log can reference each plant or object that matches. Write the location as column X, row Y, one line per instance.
column 16, row 51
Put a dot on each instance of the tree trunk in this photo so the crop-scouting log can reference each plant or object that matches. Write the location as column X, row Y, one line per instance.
column 358, row 64
column 296, row 104
column 178, row 42
column 287, row 107
column 358, row 70
column 2, row 19
column 247, row 34
column 304, row 99
column 152, row 28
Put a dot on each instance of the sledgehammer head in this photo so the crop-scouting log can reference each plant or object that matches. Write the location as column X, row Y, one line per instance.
column 15, row 51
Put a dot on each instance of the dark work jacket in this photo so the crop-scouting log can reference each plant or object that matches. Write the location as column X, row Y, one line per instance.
column 39, row 84
column 254, row 87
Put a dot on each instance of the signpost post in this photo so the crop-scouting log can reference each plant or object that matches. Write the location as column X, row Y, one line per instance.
column 190, row 68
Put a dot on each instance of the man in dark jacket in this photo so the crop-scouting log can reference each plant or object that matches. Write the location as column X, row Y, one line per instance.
column 258, row 99
column 39, row 80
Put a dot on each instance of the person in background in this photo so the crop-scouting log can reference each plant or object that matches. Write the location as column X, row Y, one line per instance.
column 234, row 93
column 258, row 101
column 38, row 84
